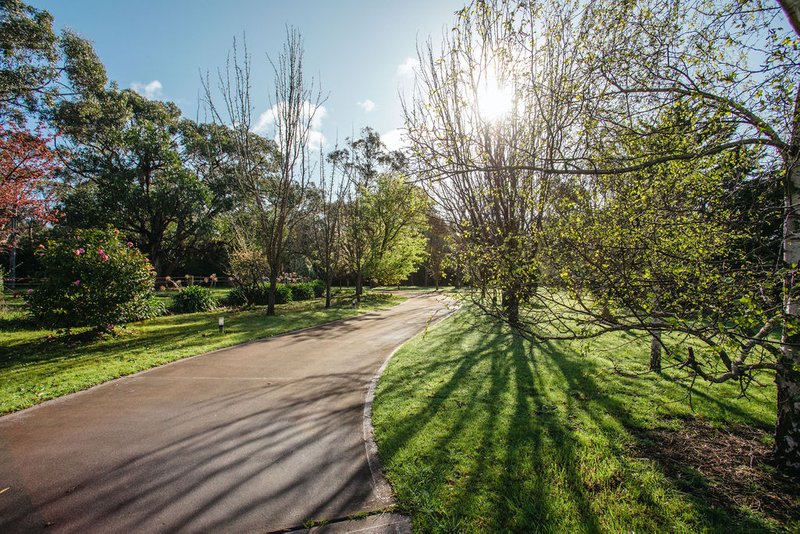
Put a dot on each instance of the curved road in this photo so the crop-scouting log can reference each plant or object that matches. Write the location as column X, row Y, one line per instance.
column 260, row 437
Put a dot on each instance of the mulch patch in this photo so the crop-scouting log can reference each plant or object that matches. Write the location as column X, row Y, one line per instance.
column 728, row 467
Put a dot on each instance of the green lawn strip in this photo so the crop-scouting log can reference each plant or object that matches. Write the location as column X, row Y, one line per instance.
column 481, row 431
column 36, row 365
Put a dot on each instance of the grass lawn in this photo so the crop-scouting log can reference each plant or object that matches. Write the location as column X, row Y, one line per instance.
column 479, row 430
column 36, row 365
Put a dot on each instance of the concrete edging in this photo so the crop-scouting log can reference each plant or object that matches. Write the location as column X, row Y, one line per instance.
column 380, row 484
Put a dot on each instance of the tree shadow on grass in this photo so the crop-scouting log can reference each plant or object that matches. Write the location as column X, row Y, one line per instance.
column 479, row 431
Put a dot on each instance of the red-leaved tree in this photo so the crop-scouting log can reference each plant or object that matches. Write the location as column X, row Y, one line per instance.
column 27, row 164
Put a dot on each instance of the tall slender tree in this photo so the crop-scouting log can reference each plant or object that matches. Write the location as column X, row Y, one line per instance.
column 275, row 182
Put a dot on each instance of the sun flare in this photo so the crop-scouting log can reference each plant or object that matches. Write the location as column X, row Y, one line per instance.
column 495, row 99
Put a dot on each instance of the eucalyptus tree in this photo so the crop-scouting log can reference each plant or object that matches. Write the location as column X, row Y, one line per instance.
column 38, row 67
column 275, row 182
column 363, row 161
column 129, row 165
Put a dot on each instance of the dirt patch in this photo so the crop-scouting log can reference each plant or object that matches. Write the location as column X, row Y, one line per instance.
column 729, row 468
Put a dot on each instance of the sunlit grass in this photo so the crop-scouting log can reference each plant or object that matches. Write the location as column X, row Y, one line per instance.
column 480, row 431
column 37, row 364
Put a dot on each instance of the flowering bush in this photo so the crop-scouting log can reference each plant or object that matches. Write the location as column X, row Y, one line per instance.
column 91, row 278
column 194, row 299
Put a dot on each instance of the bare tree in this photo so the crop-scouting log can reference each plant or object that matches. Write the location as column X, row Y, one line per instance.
column 489, row 111
column 326, row 224
column 273, row 174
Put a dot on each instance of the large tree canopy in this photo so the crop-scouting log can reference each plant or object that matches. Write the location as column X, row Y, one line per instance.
column 136, row 164
column 37, row 66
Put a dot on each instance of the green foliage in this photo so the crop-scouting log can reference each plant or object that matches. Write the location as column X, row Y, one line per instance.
column 283, row 293
column 260, row 296
column 91, row 278
column 153, row 307
column 393, row 213
column 192, row 299
column 33, row 59
column 137, row 164
column 319, row 287
column 679, row 244
column 248, row 267
column 302, row 291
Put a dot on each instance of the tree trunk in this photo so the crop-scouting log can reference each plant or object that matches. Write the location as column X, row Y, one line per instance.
column 787, row 376
column 359, row 287
column 327, row 293
column 655, row 340
column 510, row 303
column 155, row 261
column 655, row 352
column 273, row 288
column 792, row 10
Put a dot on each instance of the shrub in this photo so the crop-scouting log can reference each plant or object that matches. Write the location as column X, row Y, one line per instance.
column 239, row 297
column 153, row 307
column 304, row 291
column 283, row 294
column 247, row 268
column 319, row 287
column 194, row 299
column 91, row 278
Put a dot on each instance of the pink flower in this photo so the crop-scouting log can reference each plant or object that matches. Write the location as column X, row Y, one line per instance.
column 30, row 291
column 110, row 326
column 116, row 232
column 100, row 251
column 79, row 251
column 105, row 257
column 77, row 282
column 41, row 246
column 130, row 244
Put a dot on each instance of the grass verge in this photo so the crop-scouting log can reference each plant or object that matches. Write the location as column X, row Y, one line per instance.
column 480, row 431
column 36, row 364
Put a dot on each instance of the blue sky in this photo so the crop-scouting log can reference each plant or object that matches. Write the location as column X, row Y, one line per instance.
column 354, row 48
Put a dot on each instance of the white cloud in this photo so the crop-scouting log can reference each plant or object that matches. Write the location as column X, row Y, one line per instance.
column 149, row 90
column 408, row 68
column 367, row 105
column 265, row 124
column 395, row 139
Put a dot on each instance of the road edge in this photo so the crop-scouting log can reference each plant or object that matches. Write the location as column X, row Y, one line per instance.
column 380, row 484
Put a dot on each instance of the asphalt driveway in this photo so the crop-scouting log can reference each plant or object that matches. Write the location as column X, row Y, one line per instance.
column 260, row 437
